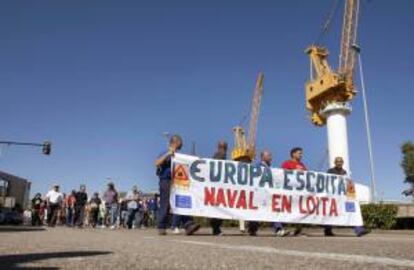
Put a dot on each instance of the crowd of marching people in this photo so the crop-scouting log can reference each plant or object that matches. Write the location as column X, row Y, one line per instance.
column 76, row 209
column 136, row 210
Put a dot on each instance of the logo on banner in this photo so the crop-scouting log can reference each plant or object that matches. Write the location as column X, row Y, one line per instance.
column 350, row 190
column 183, row 201
column 350, row 207
column 180, row 175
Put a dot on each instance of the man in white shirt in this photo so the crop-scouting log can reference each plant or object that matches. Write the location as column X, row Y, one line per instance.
column 54, row 200
column 133, row 207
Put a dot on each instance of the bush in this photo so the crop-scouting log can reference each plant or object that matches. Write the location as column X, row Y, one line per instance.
column 375, row 216
column 379, row 216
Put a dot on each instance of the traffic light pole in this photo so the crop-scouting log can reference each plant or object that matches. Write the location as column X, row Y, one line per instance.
column 21, row 143
column 47, row 146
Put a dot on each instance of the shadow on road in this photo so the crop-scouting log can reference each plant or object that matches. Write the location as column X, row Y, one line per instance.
column 20, row 229
column 12, row 262
column 267, row 235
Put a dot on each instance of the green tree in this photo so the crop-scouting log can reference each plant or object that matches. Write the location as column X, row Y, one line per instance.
column 407, row 163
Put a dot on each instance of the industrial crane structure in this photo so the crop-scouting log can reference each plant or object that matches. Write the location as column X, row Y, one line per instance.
column 246, row 150
column 328, row 92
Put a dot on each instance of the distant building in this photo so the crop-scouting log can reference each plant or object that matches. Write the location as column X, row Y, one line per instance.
column 14, row 191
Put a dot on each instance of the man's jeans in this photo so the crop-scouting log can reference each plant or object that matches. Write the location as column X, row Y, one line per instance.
column 79, row 215
column 277, row 226
column 52, row 213
column 153, row 217
column 69, row 217
column 215, row 225
column 163, row 211
column 113, row 213
column 132, row 218
column 357, row 229
column 36, row 221
column 94, row 216
column 124, row 218
column 165, row 185
column 139, row 218
column 179, row 220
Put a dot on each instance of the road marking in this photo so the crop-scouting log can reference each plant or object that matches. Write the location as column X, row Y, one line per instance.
column 399, row 239
column 331, row 256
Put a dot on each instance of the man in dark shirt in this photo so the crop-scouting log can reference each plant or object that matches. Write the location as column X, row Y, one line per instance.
column 163, row 165
column 36, row 207
column 81, row 198
column 95, row 203
column 222, row 155
column 265, row 161
column 153, row 208
column 339, row 170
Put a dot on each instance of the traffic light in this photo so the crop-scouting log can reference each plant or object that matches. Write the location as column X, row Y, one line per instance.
column 47, row 148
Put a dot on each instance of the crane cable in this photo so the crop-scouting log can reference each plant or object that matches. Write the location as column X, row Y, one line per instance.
column 244, row 118
column 328, row 20
column 325, row 29
column 322, row 162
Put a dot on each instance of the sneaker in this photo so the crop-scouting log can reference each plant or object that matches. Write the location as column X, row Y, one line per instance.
column 113, row 227
column 176, row 231
column 297, row 231
column 362, row 233
column 282, row 233
column 218, row 233
column 328, row 233
column 252, row 233
column 162, row 232
column 192, row 228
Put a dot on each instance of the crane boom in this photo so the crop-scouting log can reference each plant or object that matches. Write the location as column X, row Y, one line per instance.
column 349, row 35
column 246, row 150
column 257, row 98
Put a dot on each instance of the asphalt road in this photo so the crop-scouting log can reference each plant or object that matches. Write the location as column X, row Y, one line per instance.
column 66, row 248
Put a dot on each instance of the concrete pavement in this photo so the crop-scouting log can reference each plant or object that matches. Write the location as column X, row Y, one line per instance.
column 67, row 248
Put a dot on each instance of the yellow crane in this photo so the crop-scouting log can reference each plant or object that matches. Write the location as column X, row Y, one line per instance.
column 329, row 86
column 246, row 150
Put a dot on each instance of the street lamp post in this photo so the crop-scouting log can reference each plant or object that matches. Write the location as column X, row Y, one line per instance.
column 367, row 123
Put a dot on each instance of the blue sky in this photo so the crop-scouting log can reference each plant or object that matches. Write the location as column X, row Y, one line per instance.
column 104, row 79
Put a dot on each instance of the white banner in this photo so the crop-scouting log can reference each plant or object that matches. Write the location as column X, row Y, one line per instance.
column 234, row 190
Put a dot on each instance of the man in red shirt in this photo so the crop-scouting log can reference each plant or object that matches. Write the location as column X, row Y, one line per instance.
column 70, row 208
column 294, row 163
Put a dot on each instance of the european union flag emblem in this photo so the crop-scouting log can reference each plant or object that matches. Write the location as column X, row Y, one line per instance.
column 350, row 207
column 183, row 201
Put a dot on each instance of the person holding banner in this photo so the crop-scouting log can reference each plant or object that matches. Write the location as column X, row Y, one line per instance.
column 265, row 161
column 221, row 154
column 338, row 169
column 294, row 163
column 163, row 165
